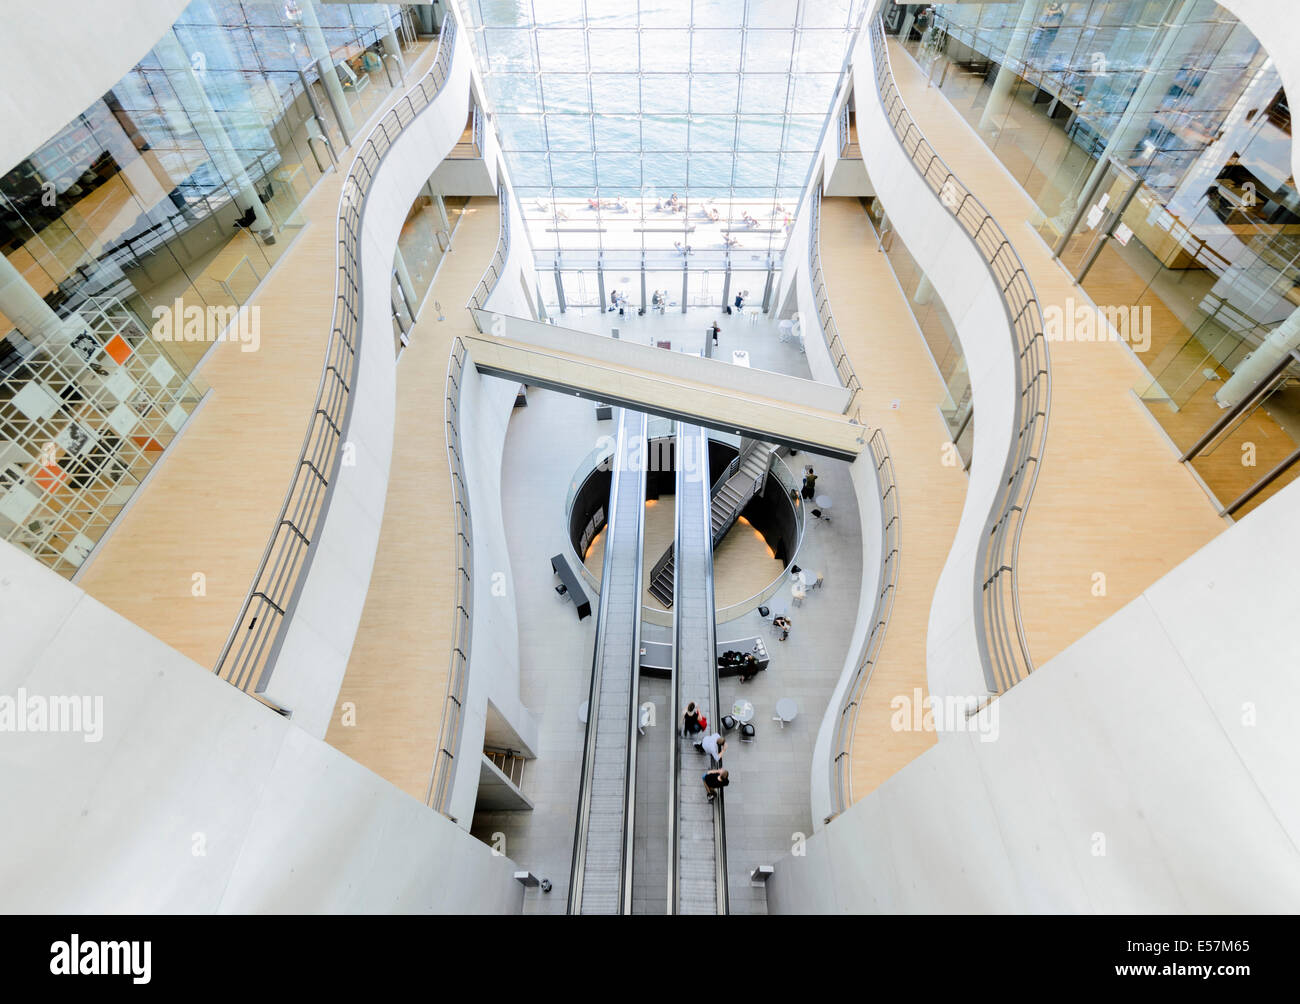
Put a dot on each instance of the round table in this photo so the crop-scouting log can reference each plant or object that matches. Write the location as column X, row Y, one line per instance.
column 823, row 501
column 740, row 357
column 742, row 711
column 786, row 710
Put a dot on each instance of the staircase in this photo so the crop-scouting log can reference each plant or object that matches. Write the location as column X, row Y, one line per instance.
column 744, row 478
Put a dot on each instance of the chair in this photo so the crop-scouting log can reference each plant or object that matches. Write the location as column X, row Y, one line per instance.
column 797, row 594
column 562, row 591
column 351, row 82
column 747, row 732
column 728, row 723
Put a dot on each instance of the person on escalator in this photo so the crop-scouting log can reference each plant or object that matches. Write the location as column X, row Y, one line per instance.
column 715, row 781
column 691, row 723
column 714, row 745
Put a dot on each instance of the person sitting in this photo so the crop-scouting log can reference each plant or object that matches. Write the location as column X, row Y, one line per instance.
column 593, row 203
column 713, row 214
column 691, row 724
column 749, row 221
column 731, row 242
column 715, row 781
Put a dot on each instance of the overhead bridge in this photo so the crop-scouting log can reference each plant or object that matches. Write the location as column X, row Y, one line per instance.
column 601, row 881
column 684, row 386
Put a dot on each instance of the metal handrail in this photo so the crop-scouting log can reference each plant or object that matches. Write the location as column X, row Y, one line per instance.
column 848, row 377
column 1004, row 651
column 883, row 605
column 248, row 657
column 882, row 609
column 451, row 726
column 438, row 795
column 496, row 267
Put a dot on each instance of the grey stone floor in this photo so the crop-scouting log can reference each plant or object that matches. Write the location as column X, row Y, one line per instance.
column 767, row 804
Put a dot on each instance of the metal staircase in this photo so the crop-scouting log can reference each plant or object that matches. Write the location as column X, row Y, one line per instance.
column 744, row 478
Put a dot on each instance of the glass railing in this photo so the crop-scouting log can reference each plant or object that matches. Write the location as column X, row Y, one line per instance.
column 248, row 658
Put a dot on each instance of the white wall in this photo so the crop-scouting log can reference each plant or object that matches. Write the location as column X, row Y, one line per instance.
column 963, row 282
column 61, row 58
column 318, row 642
column 197, row 799
column 1139, row 734
column 486, row 405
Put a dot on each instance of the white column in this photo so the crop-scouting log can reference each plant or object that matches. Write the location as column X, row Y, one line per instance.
column 997, row 103
column 391, row 45
column 203, row 117
column 24, row 307
column 329, row 76
column 1252, row 369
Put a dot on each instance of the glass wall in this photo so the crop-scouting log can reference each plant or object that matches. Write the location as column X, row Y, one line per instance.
column 1155, row 138
column 132, row 236
column 937, row 329
column 681, row 130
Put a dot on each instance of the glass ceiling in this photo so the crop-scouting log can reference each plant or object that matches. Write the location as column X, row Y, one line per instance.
column 609, row 108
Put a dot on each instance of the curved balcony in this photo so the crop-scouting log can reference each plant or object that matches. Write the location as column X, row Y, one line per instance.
column 975, row 617
column 290, row 643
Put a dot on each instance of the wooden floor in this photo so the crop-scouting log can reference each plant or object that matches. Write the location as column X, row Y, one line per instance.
column 1112, row 498
column 901, row 390
column 211, row 504
column 397, row 676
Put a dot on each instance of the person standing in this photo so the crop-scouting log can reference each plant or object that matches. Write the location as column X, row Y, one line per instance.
column 714, row 745
column 809, row 484
column 716, row 331
column 691, row 720
column 783, row 622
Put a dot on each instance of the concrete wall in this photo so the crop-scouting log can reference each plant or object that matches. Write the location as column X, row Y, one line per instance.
column 1150, row 767
column 318, row 642
column 197, row 798
column 963, row 282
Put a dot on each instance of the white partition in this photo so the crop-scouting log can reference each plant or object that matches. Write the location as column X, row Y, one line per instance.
column 1150, row 767
column 195, row 798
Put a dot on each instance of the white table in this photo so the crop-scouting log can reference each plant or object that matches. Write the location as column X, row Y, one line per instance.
column 740, row 357
column 742, row 711
column 786, row 710
column 823, row 502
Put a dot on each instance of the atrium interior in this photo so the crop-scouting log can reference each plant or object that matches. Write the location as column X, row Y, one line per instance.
column 650, row 457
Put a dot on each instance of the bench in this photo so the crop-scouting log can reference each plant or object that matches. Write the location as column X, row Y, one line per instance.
column 572, row 585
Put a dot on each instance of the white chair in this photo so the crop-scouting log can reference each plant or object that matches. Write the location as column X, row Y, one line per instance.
column 797, row 594
column 351, row 82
